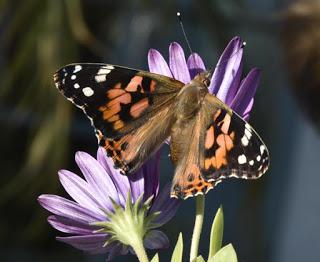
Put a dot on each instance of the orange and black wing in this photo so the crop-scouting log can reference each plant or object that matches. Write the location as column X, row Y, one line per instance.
column 185, row 152
column 231, row 148
column 220, row 145
column 129, row 109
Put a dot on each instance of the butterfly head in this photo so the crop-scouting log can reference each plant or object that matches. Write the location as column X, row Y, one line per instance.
column 204, row 77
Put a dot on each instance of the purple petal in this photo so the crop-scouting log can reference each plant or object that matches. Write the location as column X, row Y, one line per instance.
column 226, row 68
column 136, row 181
column 67, row 225
column 168, row 206
column 195, row 65
column 120, row 181
column 90, row 243
column 151, row 176
column 234, row 87
column 246, row 117
column 69, row 209
column 103, row 249
column 79, row 190
column 131, row 251
column 249, row 107
column 98, row 179
column 246, row 92
column 157, row 64
column 177, row 63
column 156, row 239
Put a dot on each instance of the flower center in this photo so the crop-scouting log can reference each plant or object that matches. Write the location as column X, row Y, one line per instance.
column 130, row 224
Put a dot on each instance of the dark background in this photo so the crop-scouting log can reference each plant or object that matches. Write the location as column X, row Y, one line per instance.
column 272, row 219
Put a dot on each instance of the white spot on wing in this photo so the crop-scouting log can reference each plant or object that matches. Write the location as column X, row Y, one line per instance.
column 251, row 162
column 73, row 77
column 262, row 148
column 244, row 141
column 77, row 68
column 76, row 85
column 100, row 78
column 104, row 71
column 247, row 133
column 242, row 159
column 110, row 67
column 258, row 158
column 87, row 91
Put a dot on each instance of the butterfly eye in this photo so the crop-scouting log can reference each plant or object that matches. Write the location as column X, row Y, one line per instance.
column 204, row 77
column 206, row 81
column 207, row 77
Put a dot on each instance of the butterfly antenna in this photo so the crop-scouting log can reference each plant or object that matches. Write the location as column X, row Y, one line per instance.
column 183, row 31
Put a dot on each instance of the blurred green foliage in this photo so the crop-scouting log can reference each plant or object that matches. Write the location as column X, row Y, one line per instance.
column 38, row 38
column 217, row 253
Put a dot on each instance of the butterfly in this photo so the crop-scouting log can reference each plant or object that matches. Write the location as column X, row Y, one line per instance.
column 133, row 112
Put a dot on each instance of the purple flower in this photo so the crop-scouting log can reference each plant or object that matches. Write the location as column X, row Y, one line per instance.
column 226, row 81
column 104, row 199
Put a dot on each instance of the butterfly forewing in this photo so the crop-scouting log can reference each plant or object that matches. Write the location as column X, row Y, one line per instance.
column 127, row 107
column 232, row 148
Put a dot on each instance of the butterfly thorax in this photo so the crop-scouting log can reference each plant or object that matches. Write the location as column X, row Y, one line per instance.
column 188, row 105
column 191, row 96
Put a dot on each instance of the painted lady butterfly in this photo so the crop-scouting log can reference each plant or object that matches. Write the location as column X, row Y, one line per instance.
column 133, row 112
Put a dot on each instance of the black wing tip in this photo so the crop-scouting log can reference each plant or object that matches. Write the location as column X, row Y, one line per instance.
column 59, row 77
column 57, row 80
column 56, row 76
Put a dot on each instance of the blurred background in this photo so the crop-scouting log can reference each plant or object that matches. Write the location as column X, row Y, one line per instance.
column 275, row 218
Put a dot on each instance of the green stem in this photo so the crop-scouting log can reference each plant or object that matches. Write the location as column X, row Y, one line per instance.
column 200, row 201
column 139, row 250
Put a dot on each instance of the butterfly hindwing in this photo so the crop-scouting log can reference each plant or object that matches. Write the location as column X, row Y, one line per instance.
column 221, row 145
column 122, row 104
column 185, row 150
column 130, row 151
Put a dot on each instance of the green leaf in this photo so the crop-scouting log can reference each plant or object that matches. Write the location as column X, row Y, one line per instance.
column 199, row 259
column 216, row 233
column 155, row 258
column 178, row 250
column 225, row 254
